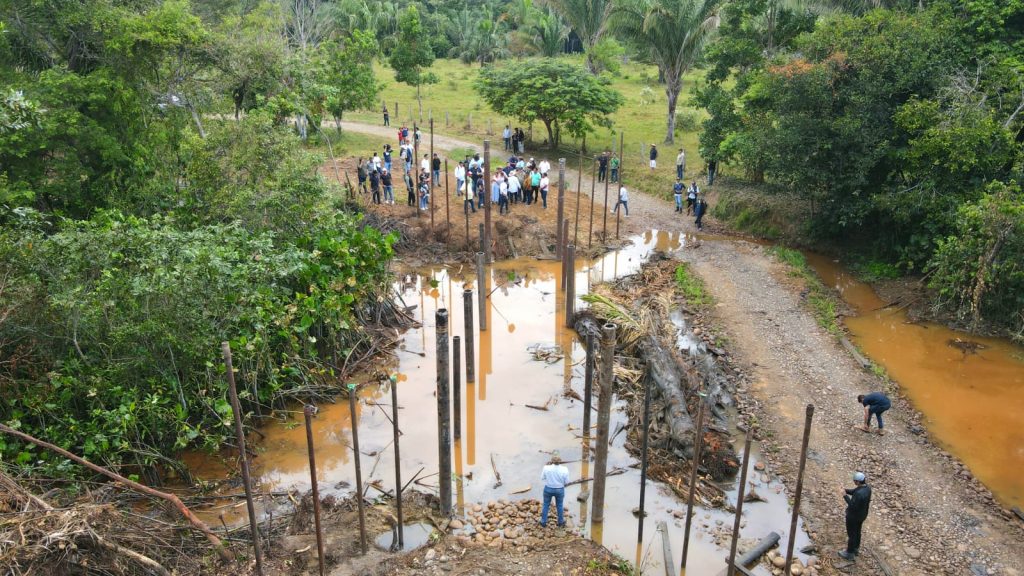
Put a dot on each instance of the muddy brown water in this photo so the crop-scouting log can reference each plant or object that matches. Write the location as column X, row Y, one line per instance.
column 525, row 310
column 972, row 402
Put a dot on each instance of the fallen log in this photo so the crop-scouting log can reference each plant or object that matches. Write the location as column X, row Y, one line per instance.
column 759, row 549
column 194, row 520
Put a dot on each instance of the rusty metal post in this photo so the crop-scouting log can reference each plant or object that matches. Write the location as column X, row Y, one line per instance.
column 444, row 434
column 560, row 230
column 466, row 210
column 359, row 472
column 457, row 387
column 482, row 296
column 487, row 205
column 698, row 446
column 604, row 227
column 603, row 420
column 741, row 492
column 579, row 195
column 467, row 312
column 447, row 208
column 308, row 411
column 588, row 393
column 432, row 183
column 570, row 286
column 643, row 457
column 398, row 461
column 244, row 455
column 799, row 486
column 593, row 184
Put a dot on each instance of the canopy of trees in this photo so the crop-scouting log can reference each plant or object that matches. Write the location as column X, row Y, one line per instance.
column 900, row 129
column 559, row 94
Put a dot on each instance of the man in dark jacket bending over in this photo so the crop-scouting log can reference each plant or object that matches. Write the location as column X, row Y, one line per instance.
column 858, row 500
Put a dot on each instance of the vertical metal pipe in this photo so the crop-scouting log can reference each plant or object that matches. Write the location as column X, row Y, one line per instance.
column 444, row 435
column 244, row 455
column 698, row 444
column 603, row 419
column 570, row 286
column 481, row 294
column 588, row 394
column 643, row 458
column 487, row 205
column 447, row 208
column 579, row 195
column 457, row 387
column 432, row 183
column 481, row 233
column 466, row 210
column 593, row 184
column 799, row 486
column 467, row 312
column 560, row 230
column 308, row 412
column 604, row 228
column 398, row 461
column 741, row 492
column 359, row 473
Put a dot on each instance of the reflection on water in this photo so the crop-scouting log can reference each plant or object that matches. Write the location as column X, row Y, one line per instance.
column 972, row 402
column 524, row 309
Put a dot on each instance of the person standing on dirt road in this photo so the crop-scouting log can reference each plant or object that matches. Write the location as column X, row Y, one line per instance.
column 387, row 117
column 677, row 193
column 555, row 475
column 623, row 201
column 875, row 403
column 699, row 210
column 858, row 500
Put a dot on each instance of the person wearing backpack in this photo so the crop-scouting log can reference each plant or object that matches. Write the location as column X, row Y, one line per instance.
column 691, row 197
column 361, row 175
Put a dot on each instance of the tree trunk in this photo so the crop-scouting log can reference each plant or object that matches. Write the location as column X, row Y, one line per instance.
column 419, row 100
column 673, row 86
column 337, row 123
column 549, row 124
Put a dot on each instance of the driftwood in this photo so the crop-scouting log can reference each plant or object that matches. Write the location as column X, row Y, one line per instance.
column 194, row 520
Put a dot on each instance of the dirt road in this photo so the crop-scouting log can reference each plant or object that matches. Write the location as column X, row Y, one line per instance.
column 928, row 515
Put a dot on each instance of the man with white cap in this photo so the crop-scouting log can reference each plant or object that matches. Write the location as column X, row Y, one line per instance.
column 554, row 475
column 858, row 500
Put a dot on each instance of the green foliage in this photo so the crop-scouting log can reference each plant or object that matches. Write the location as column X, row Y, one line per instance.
column 820, row 299
column 691, row 286
column 979, row 271
column 412, row 53
column 120, row 334
column 351, row 83
column 559, row 94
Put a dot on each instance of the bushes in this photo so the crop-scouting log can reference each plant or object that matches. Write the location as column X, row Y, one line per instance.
column 979, row 271
column 122, row 328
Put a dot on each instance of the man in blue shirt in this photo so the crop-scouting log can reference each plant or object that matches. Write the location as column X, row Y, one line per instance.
column 555, row 475
column 875, row 403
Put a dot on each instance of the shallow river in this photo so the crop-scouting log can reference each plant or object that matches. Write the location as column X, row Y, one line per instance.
column 525, row 310
column 973, row 403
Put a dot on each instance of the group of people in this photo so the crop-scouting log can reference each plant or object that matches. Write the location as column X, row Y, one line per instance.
column 514, row 139
column 518, row 181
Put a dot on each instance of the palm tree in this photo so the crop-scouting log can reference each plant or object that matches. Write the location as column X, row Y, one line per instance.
column 589, row 19
column 673, row 32
column 549, row 33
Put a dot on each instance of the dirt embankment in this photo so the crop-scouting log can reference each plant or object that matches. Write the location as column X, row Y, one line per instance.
column 929, row 516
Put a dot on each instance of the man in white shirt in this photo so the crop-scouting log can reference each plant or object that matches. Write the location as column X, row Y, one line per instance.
column 623, row 200
column 425, row 164
column 514, row 187
column 460, row 178
column 544, row 183
column 555, row 475
column 680, row 164
column 376, row 162
column 506, row 135
column 544, row 166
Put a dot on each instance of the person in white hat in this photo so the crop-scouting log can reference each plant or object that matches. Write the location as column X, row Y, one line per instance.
column 554, row 475
column 858, row 500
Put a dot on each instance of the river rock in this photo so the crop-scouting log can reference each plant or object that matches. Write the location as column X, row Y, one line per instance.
column 455, row 524
column 779, row 561
column 429, row 556
column 912, row 552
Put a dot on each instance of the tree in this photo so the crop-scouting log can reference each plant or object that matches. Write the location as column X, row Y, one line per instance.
column 557, row 93
column 413, row 54
column 674, row 33
column 351, row 82
column 589, row 19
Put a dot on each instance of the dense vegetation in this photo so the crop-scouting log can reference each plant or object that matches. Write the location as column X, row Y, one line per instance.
column 898, row 131
column 139, row 230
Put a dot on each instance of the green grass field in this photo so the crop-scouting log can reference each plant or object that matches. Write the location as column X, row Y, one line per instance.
column 458, row 111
